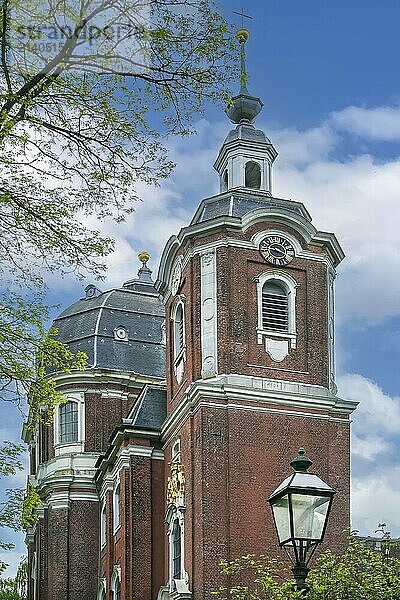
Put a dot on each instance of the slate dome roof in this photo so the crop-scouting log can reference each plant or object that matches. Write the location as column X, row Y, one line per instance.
column 121, row 329
column 247, row 133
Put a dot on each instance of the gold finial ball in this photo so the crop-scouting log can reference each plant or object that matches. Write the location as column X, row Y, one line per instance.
column 242, row 35
column 143, row 257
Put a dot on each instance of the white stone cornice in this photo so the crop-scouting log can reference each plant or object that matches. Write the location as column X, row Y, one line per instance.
column 68, row 465
column 79, row 381
column 258, row 394
column 120, row 458
column 278, row 214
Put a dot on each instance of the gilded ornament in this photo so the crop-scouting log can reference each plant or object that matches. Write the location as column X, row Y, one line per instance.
column 176, row 484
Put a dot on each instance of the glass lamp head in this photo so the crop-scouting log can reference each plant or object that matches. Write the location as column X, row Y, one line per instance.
column 301, row 505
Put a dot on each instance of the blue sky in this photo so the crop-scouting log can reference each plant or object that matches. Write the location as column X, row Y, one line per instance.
column 327, row 73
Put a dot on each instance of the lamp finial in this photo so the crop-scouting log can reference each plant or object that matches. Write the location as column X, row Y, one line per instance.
column 301, row 463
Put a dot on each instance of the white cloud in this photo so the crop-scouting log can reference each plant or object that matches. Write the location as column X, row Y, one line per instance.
column 376, row 499
column 303, row 147
column 377, row 414
column 375, row 471
column 12, row 559
column 369, row 448
column 359, row 201
column 380, row 123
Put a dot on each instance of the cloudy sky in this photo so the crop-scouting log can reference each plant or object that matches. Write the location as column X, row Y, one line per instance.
column 328, row 75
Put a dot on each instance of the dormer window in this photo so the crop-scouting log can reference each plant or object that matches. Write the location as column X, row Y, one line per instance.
column 252, row 175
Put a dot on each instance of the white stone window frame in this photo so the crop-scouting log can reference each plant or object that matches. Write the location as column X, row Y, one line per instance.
column 33, row 573
column 77, row 446
column 180, row 358
column 115, row 577
column 290, row 285
column 177, row 585
column 102, row 589
column 176, row 451
column 117, row 523
column 103, row 524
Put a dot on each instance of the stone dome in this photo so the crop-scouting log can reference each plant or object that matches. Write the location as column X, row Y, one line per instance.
column 120, row 329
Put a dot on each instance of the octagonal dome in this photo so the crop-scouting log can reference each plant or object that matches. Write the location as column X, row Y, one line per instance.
column 121, row 329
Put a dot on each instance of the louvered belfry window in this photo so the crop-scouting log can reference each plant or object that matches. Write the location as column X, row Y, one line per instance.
column 275, row 307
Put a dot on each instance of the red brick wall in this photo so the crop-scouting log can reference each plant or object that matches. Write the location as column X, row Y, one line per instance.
column 84, row 550
column 138, row 545
column 233, row 460
column 69, row 551
column 102, row 415
column 238, row 348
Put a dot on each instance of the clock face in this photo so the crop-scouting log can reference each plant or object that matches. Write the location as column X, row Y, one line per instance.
column 276, row 250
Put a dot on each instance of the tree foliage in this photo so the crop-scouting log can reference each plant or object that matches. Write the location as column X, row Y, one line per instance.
column 358, row 574
column 78, row 83
column 15, row 588
column 88, row 89
column 11, row 506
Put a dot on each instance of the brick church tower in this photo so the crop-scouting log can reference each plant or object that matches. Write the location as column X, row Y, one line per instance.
column 155, row 470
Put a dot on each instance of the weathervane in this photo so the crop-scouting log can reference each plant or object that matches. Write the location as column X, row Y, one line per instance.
column 242, row 36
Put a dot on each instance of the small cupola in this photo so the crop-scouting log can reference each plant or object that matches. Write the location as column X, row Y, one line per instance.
column 144, row 281
column 246, row 157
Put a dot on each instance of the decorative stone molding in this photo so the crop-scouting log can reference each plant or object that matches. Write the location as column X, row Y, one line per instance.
column 208, row 314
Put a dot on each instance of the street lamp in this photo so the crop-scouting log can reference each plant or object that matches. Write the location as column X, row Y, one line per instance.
column 301, row 506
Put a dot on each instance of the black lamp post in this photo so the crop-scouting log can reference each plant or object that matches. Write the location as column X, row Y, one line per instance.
column 301, row 506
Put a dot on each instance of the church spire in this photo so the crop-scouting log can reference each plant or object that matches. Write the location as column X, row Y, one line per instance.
column 246, row 156
column 243, row 108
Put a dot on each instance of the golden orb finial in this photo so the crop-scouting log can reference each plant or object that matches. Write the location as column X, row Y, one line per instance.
column 242, row 35
column 143, row 257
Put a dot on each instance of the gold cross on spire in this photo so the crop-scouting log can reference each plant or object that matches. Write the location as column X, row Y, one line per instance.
column 242, row 36
column 241, row 14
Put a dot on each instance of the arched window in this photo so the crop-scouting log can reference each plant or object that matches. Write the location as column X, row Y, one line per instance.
column 68, row 422
column 69, row 425
column 116, row 583
column 102, row 591
column 176, row 550
column 117, row 590
column 117, row 506
column 178, row 330
column 276, row 293
column 252, row 175
column 275, row 306
column 103, row 525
